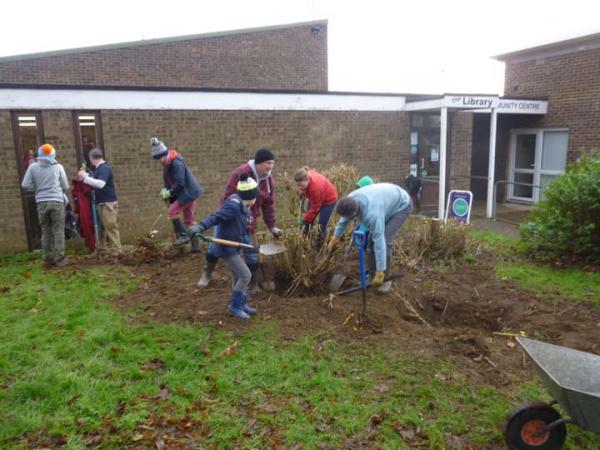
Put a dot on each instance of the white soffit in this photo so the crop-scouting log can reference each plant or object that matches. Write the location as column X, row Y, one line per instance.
column 11, row 98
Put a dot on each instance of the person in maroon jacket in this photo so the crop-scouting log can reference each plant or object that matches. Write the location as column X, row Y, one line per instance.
column 260, row 169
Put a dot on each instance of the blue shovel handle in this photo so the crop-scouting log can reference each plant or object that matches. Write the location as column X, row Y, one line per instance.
column 360, row 241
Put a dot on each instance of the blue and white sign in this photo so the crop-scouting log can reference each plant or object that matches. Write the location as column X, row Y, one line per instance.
column 459, row 206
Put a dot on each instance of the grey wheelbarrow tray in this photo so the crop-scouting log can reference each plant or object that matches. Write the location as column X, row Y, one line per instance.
column 572, row 377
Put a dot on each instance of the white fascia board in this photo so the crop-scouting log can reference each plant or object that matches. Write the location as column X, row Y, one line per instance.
column 518, row 106
column 192, row 100
column 425, row 105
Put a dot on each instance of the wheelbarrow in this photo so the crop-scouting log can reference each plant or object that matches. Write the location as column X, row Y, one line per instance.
column 572, row 378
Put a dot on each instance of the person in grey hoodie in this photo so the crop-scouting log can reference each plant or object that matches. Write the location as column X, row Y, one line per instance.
column 47, row 178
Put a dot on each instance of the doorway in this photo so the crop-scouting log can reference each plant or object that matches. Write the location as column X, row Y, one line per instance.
column 28, row 134
column 88, row 135
column 537, row 157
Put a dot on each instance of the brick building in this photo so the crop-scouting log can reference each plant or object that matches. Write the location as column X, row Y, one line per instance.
column 217, row 97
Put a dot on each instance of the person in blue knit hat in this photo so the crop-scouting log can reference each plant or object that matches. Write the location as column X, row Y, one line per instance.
column 233, row 219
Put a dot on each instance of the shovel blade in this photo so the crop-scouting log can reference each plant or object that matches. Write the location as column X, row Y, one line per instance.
column 336, row 282
column 271, row 249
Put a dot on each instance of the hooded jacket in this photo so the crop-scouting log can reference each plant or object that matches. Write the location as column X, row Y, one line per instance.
column 47, row 178
column 377, row 203
column 265, row 202
column 319, row 192
column 233, row 219
column 180, row 180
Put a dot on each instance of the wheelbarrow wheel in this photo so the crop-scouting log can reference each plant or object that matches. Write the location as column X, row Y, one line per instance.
column 525, row 428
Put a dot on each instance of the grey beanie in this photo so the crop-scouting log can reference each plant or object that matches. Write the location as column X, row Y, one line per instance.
column 347, row 207
column 159, row 149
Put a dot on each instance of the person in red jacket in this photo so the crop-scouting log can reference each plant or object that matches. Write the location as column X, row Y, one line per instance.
column 259, row 169
column 322, row 197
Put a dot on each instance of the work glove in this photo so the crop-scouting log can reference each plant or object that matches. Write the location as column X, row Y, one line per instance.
column 301, row 221
column 276, row 232
column 195, row 229
column 165, row 194
column 378, row 279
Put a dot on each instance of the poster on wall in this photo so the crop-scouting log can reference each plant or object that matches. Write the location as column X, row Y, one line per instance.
column 413, row 170
column 414, row 138
column 435, row 154
column 458, row 206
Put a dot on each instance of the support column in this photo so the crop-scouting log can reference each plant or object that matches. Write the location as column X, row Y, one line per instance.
column 489, row 209
column 442, row 178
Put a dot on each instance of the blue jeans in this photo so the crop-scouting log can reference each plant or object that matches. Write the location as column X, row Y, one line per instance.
column 324, row 215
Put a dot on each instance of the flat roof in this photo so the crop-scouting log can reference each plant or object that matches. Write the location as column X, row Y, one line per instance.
column 577, row 44
column 164, row 40
column 86, row 87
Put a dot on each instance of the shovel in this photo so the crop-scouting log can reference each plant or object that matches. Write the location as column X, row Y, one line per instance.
column 339, row 277
column 269, row 249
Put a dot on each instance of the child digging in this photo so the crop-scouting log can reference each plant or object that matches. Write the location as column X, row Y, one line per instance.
column 233, row 219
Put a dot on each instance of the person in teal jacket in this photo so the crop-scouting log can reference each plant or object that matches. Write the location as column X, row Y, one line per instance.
column 382, row 208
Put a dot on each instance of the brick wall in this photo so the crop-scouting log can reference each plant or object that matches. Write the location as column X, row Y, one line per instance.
column 281, row 58
column 461, row 141
column 213, row 143
column 572, row 84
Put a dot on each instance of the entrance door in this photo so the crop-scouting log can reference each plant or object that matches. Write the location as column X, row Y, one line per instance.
column 536, row 157
column 28, row 133
column 88, row 134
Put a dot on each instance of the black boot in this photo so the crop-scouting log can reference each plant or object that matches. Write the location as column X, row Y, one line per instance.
column 206, row 274
column 195, row 245
column 182, row 237
column 253, row 287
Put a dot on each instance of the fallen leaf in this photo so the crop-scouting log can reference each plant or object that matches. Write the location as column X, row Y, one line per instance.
column 478, row 358
column 511, row 344
column 160, row 443
column 181, row 390
column 205, row 350
column 93, row 439
column 27, row 274
column 115, row 350
column 202, row 312
column 381, row 388
column 231, row 350
column 163, row 393
column 137, row 437
column 440, row 376
column 33, row 310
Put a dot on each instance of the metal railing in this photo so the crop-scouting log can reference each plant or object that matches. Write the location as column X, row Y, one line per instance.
column 507, row 182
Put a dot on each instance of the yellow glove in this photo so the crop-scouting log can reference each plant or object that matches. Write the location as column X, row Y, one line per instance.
column 378, row 279
column 165, row 193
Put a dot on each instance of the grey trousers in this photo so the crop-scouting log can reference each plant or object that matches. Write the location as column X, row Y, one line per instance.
column 239, row 271
column 392, row 227
column 52, row 221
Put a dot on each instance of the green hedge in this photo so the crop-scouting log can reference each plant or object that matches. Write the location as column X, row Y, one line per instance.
column 565, row 225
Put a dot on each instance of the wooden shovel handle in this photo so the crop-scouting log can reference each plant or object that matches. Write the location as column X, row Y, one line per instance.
column 229, row 243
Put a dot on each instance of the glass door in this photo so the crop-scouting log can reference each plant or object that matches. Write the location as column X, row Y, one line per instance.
column 28, row 134
column 536, row 158
column 523, row 157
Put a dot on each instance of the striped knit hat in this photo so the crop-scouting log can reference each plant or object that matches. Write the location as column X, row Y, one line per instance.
column 247, row 188
column 46, row 151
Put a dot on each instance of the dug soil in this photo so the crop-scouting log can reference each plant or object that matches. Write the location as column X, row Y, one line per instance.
column 464, row 313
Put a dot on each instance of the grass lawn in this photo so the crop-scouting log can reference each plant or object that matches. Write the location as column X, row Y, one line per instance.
column 75, row 370
column 543, row 280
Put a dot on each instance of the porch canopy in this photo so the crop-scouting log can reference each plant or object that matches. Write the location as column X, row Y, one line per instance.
column 491, row 104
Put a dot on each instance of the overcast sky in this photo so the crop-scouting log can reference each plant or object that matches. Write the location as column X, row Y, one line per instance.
column 374, row 45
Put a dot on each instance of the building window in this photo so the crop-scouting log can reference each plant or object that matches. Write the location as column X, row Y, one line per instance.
column 88, row 134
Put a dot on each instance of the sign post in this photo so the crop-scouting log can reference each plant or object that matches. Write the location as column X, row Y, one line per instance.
column 459, row 206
